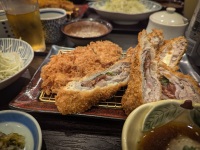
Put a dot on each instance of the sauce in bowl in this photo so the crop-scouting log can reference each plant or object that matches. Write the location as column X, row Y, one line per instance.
column 86, row 29
column 160, row 137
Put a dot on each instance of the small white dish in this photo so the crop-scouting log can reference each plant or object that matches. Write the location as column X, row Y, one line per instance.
column 13, row 121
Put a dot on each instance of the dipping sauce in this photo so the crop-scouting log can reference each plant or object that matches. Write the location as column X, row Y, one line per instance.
column 86, row 29
column 160, row 137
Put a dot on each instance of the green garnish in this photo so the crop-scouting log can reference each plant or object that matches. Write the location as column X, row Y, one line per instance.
column 164, row 81
column 12, row 141
column 110, row 74
column 189, row 148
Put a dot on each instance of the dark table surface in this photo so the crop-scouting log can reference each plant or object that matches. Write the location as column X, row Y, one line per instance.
column 75, row 132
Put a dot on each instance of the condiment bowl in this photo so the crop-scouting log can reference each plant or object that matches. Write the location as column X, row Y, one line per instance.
column 20, row 48
column 24, row 124
column 83, row 31
column 153, row 124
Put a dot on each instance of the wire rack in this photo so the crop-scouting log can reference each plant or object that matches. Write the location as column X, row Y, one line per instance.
column 114, row 102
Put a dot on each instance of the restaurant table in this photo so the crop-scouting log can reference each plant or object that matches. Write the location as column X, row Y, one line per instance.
column 67, row 132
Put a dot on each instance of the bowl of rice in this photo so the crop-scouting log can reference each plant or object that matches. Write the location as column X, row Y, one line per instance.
column 83, row 31
column 125, row 11
column 15, row 56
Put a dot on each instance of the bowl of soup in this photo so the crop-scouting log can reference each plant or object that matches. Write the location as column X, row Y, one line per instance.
column 164, row 125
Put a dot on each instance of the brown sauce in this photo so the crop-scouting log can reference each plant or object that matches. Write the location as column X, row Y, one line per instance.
column 159, row 138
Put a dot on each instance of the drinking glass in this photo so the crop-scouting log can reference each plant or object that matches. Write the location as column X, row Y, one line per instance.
column 24, row 19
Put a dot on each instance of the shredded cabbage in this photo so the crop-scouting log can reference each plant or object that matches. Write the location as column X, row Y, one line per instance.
column 10, row 63
column 124, row 6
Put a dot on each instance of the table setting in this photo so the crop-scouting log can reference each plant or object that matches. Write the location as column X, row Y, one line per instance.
column 87, row 86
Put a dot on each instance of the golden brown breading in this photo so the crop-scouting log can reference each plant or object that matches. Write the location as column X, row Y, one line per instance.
column 81, row 61
column 135, row 94
column 156, row 38
column 65, row 4
column 187, row 85
column 172, row 51
column 76, row 101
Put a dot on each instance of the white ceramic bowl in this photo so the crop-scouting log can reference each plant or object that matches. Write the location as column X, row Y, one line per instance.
column 23, row 49
column 152, row 115
column 13, row 121
column 124, row 18
column 83, row 31
column 5, row 29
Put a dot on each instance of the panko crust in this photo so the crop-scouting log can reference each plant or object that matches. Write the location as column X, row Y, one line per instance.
column 133, row 94
column 76, row 101
column 82, row 61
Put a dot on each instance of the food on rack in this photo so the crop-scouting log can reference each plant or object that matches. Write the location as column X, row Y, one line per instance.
column 154, row 75
column 171, row 136
column 79, row 96
column 143, row 85
column 11, row 141
column 124, row 6
column 10, row 63
column 176, row 85
column 75, row 64
column 64, row 4
column 81, row 78
column 172, row 51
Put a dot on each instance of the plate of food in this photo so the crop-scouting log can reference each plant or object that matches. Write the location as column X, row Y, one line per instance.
column 125, row 11
column 15, row 57
column 102, row 80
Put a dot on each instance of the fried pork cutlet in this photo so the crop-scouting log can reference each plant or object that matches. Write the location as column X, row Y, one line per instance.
column 82, row 61
column 65, row 4
column 79, row 96
column 143, row 85
column 176, row 85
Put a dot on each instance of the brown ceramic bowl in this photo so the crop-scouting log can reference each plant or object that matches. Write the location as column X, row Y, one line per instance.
column 83, row 31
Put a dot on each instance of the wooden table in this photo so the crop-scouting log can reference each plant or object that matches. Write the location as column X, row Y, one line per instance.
column 73, row 132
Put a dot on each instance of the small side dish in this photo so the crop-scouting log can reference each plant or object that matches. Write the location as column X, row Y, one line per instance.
column 19, row 129
column 164, row 125
column 15, row 56
column 84, row 31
